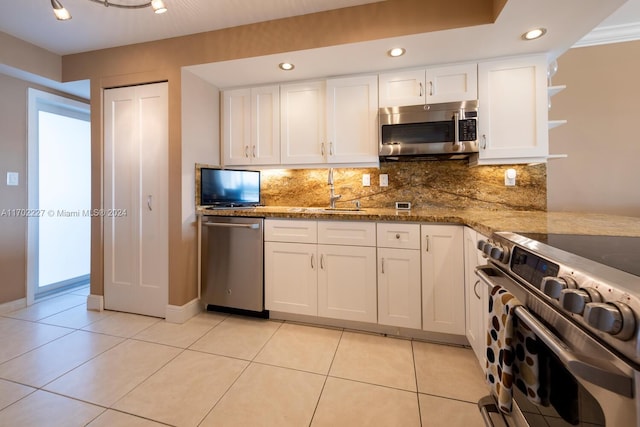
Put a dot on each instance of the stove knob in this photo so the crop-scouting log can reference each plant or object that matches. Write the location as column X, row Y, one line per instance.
column 575, row 300
column 614, row 318
column 499, row 254
column 553, row 286
column 487, row 248
column 480, row 245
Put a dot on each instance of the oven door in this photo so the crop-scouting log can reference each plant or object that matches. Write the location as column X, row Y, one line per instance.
column 588, row 385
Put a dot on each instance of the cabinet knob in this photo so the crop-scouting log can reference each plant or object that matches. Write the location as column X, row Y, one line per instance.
column 397, row 235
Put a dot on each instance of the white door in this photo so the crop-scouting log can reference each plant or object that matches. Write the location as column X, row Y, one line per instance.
column 399, row 302
column 347, row 283
column 135, row 199
column 352, row 119
column 443, row 279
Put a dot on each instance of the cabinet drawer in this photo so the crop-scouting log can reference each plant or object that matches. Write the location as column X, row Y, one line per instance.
column 353, row 233
column 294, row 231
column 398, row 235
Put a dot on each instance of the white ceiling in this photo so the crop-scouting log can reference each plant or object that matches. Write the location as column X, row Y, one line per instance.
column 94, row 27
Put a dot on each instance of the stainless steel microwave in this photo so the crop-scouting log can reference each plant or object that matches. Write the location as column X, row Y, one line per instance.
column 436, row 131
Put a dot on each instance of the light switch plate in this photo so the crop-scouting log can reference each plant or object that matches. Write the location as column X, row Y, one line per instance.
column 366, row 180
column 13, row 178
column 384, row 180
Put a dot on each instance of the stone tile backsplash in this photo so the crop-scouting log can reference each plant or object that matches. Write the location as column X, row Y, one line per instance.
column 451, row 184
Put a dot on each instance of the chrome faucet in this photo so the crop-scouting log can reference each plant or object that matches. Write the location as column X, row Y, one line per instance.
column 332, row 195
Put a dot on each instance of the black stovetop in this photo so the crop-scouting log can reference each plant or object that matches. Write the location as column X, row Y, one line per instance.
column 622, row 253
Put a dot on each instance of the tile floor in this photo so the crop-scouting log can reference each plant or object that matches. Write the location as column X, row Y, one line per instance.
column 61, row 365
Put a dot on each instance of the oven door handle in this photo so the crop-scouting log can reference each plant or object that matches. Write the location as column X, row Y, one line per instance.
column 607, row 378
column 616, row 382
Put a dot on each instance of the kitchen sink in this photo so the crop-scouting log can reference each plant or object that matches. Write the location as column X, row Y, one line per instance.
column 327, row 210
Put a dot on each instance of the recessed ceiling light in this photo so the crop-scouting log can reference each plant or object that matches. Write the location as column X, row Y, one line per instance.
column 536, row 33
column 396, row 51
column 286, row 66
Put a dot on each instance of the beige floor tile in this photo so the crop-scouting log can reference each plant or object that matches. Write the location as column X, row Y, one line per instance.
column 350, row 403
column 375, row 359
column 268, row 396
column 448, row 371
column 240, row 337
column 111, row 418
column 46, row 363
column 181, row 335
column 301, row 347
column 47, row 409
column 122, row 324
column 19, row 336
column 185, row 390
column 77, row 317
column 108, row 377
column 437, row 411
column 12, row 392
column 48, row 307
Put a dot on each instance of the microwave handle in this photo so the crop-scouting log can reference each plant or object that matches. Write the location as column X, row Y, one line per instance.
column 456, row 131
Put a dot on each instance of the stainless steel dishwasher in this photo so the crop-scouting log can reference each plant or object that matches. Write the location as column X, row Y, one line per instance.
column 232, row 260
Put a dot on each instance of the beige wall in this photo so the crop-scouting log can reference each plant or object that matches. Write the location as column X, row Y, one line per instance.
column 163, row 60
column 602, row 172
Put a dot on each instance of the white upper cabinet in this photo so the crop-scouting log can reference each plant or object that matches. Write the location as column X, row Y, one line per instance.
column 251, row 126
column 352, row 120
column 333, row 121
column 513, row 113
column 430, row 86
column 302, row 123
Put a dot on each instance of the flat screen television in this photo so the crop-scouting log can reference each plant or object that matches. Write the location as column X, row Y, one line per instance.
column 227, row 188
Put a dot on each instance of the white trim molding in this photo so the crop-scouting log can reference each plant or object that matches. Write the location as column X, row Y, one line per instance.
column 610, row 34
column 182, row 313
column 95, row 302
column 10, row 306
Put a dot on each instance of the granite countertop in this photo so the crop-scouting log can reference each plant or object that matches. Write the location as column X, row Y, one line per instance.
column 483, row 221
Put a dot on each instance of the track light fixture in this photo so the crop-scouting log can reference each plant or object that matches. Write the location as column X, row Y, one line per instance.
column 63, row 14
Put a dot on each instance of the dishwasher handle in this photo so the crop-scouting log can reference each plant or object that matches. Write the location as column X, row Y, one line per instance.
column 253, row 226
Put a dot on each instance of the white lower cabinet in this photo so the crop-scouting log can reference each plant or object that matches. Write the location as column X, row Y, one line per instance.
column 477, row 294
column 334, row 279
column 291, row 278
column 347, row 283
column 399, row 302
column 443, row 279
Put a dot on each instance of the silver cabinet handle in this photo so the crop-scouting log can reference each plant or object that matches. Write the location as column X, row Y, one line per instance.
column 313, row 267
column 246, row 151
column 382, row 265
column 322, row 261
column 426, row 243
column 149, row 200
column 421, row 88
column 484, row 142
column 331, row 148
column 475, row 289
column 430, row 88
column 254, row 151
column 322, row 148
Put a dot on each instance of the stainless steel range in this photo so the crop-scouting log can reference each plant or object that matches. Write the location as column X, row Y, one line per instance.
column 580, row 295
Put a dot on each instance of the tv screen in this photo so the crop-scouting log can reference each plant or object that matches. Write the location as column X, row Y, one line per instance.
column 229, row 188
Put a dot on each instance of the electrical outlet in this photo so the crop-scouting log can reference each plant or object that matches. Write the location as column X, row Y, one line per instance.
column 13, row 178
column 366, row 180
column 510, row 177
column 384, row 180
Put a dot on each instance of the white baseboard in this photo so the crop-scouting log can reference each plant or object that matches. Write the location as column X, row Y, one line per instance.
column 10, row 306
column 95, row 302
column 182, row 313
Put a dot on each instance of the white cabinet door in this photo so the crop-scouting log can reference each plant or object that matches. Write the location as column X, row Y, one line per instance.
column 290, row 277
column 236, row 127
column 513, row 116
column 443, row 279
column 251, row 126
column 452, row 83
column 347, row 283
column 302, row 123
column 352, row 120
column 136, row 276
column 476, row 296
column 399, row 302
column 431, row 86
column 400, row 88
